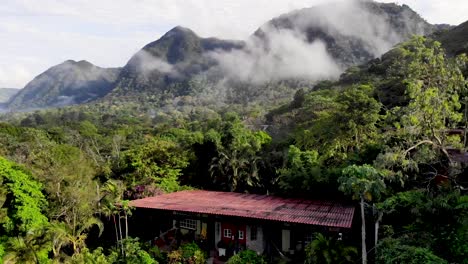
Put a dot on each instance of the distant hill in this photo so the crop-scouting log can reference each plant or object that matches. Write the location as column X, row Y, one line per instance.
column 6, row 94
column 170, row 61
column 455, row 40
column 71, row 82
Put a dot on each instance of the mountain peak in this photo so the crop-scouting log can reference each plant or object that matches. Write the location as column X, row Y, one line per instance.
column 71, row 82
column 179, row 31
column 175, row 46
column 83, row 64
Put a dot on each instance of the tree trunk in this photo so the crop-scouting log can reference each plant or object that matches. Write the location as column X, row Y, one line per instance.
column 377, row 225
column 121, row 237
column 234, row 179
column 126, row 225
column 465, row 130
column 116, row 232
column 363, row 232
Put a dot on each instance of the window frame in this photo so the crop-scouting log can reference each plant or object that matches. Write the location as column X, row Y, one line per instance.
column 190, row 224
column 229, row 233
column 239, row 232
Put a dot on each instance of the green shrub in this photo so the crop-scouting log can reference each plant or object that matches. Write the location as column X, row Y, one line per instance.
column 393, row 251
column 95, row 257
column 325, row 250
column 133, row 253
column 187, row 254
column 246, row 257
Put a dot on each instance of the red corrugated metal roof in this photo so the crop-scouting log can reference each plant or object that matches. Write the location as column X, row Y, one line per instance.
column 322, row 213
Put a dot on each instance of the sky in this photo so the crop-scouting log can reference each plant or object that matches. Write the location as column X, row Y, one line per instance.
column 37, row 34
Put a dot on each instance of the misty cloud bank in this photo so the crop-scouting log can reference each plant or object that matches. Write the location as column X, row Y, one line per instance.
column 287, row 56
column 287, row 48
column 145, row 63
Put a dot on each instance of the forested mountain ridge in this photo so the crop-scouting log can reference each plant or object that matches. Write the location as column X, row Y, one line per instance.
column 292, row 51
column 354, row 32
column 71, row 82
column 386, row 75
column 454, row 40
column 174, row 58
column 182, row 64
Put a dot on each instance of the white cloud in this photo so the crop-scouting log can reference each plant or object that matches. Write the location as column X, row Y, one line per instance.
column 108, row 32
column 288, row 56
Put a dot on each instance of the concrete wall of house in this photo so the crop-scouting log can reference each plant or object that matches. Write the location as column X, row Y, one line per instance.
column 285, row 240
column 198, row 231
column 217, row 233
column 257, row 245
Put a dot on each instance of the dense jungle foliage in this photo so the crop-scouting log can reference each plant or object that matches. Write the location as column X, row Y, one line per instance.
column 389, row 135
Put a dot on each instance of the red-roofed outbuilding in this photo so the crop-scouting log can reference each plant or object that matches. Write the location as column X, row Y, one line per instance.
column 237, row 220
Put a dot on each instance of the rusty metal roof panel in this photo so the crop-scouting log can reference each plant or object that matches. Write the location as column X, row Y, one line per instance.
column 324, row 213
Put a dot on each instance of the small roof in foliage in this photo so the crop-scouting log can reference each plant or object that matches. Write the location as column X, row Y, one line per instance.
column 301, row 211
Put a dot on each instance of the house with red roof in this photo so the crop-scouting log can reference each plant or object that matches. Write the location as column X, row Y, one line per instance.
column 226, row 222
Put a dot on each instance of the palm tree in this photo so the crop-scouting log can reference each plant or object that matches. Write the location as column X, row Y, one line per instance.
column 109, row 210
column 62, row 235
column 26, row 249
column 364, row 183
column 19, row 251
column 127, row 211
column 237, row 166
column 113, row 204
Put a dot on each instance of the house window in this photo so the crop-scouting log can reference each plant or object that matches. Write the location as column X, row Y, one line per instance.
column 241, row 234
column 309, row 237
column 227, row 233
column 188, row 224
column 253, row 233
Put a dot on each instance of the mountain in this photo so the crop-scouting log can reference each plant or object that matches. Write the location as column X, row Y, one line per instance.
column 354, row 32
column 173, row 59
column 455, row 40
column 6, row 94
column 293, row 50
column 71, row 82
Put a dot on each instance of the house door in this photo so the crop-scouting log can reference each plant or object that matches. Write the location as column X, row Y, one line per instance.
column 231, row 232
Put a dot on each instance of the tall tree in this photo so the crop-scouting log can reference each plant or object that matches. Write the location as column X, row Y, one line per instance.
column 22, row 218
column 364, row 183
column 23, row 211
column 238, row 150
column 340, row 124
column 433, row 87
column 159, row 161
